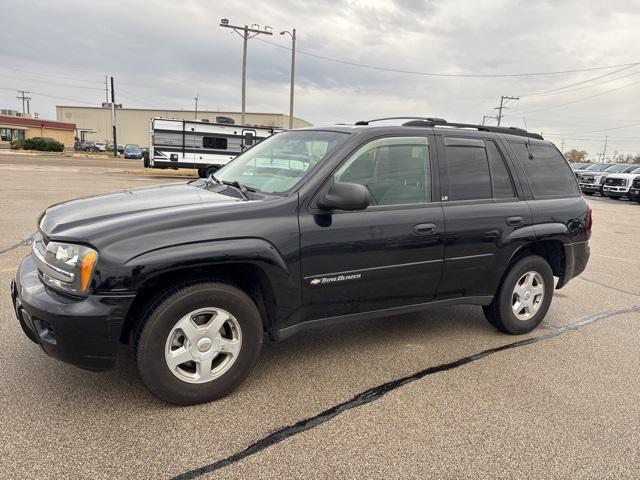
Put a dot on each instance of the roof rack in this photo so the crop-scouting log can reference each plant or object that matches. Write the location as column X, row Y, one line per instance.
column 440, row 122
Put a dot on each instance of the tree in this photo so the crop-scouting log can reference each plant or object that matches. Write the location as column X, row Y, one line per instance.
column 576, row 156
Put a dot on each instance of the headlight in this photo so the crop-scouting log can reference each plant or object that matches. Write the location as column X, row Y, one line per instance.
column 65, row 266
column 601, row 179
column 624, row 182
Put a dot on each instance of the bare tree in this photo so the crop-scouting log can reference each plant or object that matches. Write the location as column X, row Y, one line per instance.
column 576, row 156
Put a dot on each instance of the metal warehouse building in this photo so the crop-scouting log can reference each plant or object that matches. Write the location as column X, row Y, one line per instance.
column 94, row 123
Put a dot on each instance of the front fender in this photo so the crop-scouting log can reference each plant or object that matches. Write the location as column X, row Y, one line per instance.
column 146, row 266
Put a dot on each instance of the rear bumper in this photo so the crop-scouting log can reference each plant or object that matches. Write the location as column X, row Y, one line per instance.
column 576, row 258
column 82, row 332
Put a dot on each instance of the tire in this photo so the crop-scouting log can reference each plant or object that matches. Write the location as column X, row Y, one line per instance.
column 201, row 173
column 500, row 313
column 588, row 193
column 211, row 170
column 159, row 338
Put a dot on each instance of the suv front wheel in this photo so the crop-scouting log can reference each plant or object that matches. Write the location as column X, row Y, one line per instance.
column 523, row 298
column 198, row 343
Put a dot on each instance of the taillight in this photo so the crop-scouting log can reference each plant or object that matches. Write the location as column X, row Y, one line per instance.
column 587, row 227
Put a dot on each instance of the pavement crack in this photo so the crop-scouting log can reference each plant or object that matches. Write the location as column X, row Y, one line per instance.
column 377, row 392
column 24, row 243
column 608, row 286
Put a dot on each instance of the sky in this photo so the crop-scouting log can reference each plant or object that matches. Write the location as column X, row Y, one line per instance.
column 163, row 53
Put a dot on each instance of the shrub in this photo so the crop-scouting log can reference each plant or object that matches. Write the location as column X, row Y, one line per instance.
column 43, row 144
column 17, row 144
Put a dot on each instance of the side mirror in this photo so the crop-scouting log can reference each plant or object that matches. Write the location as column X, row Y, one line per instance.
column 249, row 138
column 345, row 196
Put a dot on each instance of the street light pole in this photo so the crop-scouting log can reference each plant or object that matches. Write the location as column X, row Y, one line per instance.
column 293, row 73
column 195, row 117
column 244, row 32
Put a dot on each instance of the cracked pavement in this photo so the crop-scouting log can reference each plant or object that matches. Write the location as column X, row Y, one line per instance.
column 567, row 406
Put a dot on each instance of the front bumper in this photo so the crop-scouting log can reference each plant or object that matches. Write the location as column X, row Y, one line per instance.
column 615, row 191
column 83, row 332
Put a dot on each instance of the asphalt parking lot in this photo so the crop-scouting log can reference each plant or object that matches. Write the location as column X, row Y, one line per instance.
column 429, row 395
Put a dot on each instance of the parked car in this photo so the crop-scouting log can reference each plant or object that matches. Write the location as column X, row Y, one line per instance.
column 308, row 227
column 90, row 147
column 101, row 146
column 132, row 151
column 617, row 185
column 592, row 181
column 634, row 191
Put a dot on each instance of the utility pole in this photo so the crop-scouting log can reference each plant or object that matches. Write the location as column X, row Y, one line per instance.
column 195, row 117
column 604, row 150
column 562, row 147
column 293, row 75
column 503, row 101
column 106, row 89
column 244, row 33
column 484, row 118
column 24, row 98
column 113, row 119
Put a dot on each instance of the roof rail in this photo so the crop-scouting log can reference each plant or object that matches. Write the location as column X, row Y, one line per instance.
column 520, row 132
column 441, row 122
column 429, row 119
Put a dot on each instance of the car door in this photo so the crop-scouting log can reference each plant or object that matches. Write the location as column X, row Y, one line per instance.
column 385, row 256
column 486, row 215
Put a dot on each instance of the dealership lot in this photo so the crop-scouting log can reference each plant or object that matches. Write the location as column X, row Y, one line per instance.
column 564, row 405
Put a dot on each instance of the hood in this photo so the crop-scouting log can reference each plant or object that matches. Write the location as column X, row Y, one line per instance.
column 628, row 176
column 65, row 216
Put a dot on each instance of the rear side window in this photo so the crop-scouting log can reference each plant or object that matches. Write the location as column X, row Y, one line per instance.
column 548, row 172
column 469, row 177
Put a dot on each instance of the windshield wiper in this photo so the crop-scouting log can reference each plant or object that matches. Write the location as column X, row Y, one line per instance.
column 243, row 189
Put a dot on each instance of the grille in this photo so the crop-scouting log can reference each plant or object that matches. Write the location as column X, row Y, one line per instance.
column 587, row 179
column 614, row 182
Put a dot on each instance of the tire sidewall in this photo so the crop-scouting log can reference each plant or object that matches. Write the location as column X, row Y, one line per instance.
column 152, row 342
column 509, row 321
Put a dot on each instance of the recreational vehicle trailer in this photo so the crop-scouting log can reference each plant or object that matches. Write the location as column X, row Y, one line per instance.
column 200, row 144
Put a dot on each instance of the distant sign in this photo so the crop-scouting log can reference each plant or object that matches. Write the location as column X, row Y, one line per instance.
column 108, row 105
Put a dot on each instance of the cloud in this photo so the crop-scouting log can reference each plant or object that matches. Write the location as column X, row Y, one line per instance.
column 162, row 53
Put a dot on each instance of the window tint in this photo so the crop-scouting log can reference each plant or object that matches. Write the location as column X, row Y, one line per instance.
column 500, row 178
column 468, row 169
column 395, row 170
column 548, row 172
column 219, row 143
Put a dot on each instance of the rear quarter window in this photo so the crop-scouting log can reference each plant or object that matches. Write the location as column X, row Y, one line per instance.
column 548, row 172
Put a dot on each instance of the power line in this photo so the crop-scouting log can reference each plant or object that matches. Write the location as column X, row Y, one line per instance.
column 48, row 82
column 578, row 100
column 39, row 73
column 566, row 89
column 440, row 74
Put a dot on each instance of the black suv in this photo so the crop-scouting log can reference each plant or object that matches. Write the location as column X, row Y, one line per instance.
column 307, row 227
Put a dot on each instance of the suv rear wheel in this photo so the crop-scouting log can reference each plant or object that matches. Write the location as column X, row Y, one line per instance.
column 198, row 343
column 523, row 298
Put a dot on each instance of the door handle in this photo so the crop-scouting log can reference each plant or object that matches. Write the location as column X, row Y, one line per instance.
column 514, row 221
column 425, row 228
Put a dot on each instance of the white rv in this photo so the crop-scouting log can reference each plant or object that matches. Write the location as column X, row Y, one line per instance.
column 199, row 144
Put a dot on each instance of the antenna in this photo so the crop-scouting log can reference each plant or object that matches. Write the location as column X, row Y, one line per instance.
column 528, row 142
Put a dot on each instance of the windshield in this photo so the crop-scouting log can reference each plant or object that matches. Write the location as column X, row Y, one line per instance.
column 631, row 168
column 598, row 167
column 278, row 163
column 616, row 169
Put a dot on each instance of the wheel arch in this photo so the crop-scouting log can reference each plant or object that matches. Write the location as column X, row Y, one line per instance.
column 252, row 265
